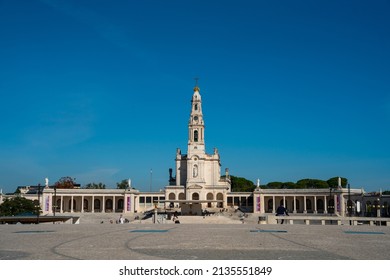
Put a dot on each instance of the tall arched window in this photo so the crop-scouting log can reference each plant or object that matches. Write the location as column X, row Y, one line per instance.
column 209, row 196
column 196, row 136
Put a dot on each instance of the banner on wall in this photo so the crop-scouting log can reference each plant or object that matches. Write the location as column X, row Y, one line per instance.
column 258, row 203
column 128, row 203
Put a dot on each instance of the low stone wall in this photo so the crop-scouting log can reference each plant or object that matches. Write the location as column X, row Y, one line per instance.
column 323, row 220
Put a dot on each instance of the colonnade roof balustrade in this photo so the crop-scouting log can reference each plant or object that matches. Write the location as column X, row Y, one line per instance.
column 297, row 192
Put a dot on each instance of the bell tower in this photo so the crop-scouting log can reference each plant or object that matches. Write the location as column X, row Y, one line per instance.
column 198, row 174
column 196, row 144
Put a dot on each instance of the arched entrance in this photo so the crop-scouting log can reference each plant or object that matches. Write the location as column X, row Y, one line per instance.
column 320, row 206
column 309, row 207
column 209, row 197
column 270, row 205
column 86, row 205
column 109, row 205
column 172, row 196
column 97, row 205
column 220, row 197
column 120, row 205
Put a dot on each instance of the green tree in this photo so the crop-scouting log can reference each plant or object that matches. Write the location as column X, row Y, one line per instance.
column 281, row 185
column 18, row 205
column 334, row 182
column 274, row 185
column 95, row 186
column 124, row 184
column 240, row 184
column 312, row 184
column 66, row 183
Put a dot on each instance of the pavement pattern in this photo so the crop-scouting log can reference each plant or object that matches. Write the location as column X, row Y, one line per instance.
column 193, row 241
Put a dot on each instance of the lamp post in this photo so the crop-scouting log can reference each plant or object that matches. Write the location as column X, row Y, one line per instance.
column 55, row 200
column 378, row 207
column 349, row 204
column 330, row 206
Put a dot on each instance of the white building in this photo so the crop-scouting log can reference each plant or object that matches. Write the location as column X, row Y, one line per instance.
column 198, row 185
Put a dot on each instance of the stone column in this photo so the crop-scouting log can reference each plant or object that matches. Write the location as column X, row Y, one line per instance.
column 71, row 204
column 325, row 205
column 273, row 205
column 315, row 205
column 304, row 204
column 135, row 202
column 82, row 204
column 295, row 205
column 262, row 205
column 61, row 204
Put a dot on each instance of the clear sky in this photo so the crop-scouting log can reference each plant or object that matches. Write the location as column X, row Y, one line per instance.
column 100, row 90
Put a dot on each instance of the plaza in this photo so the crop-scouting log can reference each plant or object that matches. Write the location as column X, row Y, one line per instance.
column 215, row 239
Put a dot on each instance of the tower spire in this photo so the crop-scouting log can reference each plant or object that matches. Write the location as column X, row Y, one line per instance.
column 196, row 144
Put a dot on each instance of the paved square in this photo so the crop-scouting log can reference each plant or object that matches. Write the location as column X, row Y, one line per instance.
column 193, row 242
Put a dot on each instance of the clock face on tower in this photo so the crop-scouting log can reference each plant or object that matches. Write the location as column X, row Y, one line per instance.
column 196, row 119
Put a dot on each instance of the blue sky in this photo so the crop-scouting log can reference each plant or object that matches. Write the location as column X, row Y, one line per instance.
column 100, row 90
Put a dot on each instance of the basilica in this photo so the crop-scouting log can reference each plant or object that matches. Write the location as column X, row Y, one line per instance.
column 196, row 186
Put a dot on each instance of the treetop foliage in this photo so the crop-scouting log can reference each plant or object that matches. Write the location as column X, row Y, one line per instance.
column 95, row 186
column 17, row 206
column 66, row 183
column 239, row 184
column 124, row 184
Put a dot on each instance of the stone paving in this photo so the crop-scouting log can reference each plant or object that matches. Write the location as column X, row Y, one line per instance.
column 214, row 238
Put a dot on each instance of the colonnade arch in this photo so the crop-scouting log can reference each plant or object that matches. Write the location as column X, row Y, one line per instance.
column 87, row 204
column 298, row 204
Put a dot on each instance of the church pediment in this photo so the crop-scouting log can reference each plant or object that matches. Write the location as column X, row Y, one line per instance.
column 195, row 187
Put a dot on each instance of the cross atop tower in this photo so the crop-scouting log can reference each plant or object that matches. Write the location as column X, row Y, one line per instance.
column 196, row 88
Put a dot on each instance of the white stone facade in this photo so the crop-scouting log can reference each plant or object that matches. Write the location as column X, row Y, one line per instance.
column 198, row 174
